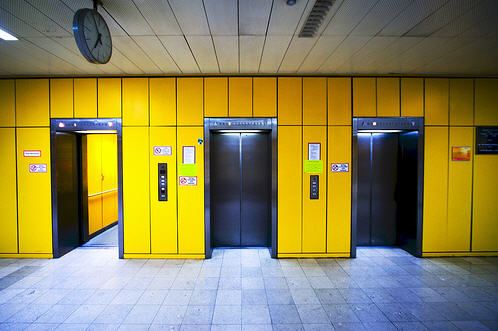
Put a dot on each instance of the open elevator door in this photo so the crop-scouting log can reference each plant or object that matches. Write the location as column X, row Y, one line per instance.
column 387, row 183
column 71, row 203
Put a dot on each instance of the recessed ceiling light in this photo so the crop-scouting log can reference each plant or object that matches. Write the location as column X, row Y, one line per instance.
column 6, row 36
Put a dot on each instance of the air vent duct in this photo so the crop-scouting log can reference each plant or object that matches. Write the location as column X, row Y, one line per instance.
column 315, row 18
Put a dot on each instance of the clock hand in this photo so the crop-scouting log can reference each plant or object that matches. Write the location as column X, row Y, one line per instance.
column 99, row 40
column 96, row 26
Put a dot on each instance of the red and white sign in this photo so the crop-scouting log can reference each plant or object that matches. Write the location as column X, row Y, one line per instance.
column 38, row 168
column 339, row 167
column 26, row 153
column 187, row 181
column 162, row 150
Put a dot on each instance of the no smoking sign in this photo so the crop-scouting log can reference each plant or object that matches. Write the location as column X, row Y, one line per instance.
column 162, row 150
column 339, row 167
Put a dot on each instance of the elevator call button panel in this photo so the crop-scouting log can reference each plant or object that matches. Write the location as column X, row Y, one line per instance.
column 162, row 181
column 314, row 187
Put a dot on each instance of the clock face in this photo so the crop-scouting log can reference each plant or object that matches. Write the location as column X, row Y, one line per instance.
column 92, row 36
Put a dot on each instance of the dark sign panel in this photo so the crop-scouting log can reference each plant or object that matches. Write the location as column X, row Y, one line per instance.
column 487, row 140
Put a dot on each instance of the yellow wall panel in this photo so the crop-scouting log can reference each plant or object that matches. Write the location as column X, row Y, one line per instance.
column 459, row 192
column 135, row 102
column 162, row 101
column 435, row 189
column 109, row 179
column 7, row 102
column 314, row 101
column 485, row 208
column 136, row 210
column 191, row 198
column 339, row 101
column 109, row 97
column 364, row 97
column 32, row 105
column 315, row 211
column 94, row 181
column 216, row 97
column 190, row 99
column 461, row 101
column 34, row 192
column 412, row 97
column 290, row 100
column 8, row 194
column 486, row 99
column 339, row 191
column 61, row 98
column 163, row 215
column 85, row 98
column 240, row 97
column 265, row 97
column 289, row 189
column 388, row 97
column 436, row 101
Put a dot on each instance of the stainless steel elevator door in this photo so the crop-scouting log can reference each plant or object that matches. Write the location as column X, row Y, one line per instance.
column 240, row 189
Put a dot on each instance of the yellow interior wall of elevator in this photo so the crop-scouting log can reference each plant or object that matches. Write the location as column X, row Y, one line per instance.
column 460, row 215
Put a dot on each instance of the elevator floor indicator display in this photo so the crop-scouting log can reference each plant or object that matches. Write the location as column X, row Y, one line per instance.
column 339, row 167
column 187, row 181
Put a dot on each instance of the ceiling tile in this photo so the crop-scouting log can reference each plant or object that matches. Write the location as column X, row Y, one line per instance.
column 319, row 53
column 284, row 19
column 348, row 15
column 179, row 50
column 157, row 53
column 129, row 48
column 222, row 17
column 160, row 17
column 250, row 51
column 297, row 52
column 129, row 17
column 191, row 16
column 254, row 16
column 379, row 16
column 227, row 52
column 203, row 50
column 273, row 53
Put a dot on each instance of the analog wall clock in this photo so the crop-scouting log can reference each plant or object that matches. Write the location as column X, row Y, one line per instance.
column 92, row 36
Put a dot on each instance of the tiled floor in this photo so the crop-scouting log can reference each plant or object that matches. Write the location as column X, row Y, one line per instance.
column 382, row 289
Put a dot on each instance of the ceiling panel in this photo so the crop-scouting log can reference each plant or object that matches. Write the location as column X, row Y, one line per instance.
column 222, row 17
column 363, row 58
column 57, row 11
column 348, row 16
column 284, row 19
column 295, row 55
column 379, row 16
column 179, row 50
column 157, row 53
column 250, row 51
column 203, row 50
column 160, row 17
column 319, row 53
column 273, row 53
column 129, row 17
column 129, row 48
column 227, row 52
column 411, row 16
column 16, row 26
column 254, row 16
column 343, row 53
column 452, row 10
column 191, row 16
column 392, row 53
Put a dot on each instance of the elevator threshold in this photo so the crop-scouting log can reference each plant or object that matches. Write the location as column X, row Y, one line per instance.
column 105, row 239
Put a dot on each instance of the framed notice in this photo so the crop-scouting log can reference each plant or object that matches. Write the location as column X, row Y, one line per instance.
column 188, row 155
column 486, row 140
column 314, row 151
column 460, row 153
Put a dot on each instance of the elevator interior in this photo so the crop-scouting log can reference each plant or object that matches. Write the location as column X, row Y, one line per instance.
column 86, row 194
column 240, row 183
column 387, row 188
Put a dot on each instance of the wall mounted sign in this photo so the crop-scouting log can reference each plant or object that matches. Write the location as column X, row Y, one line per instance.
column 313, row 166
column 38, row 168
column 459, row 153
column 200, row 141
column 339, row 167
column 187, row 181
column 188, row 155
column 313, row 151
column 35, row 153
column 487, row 140
column 162, row 150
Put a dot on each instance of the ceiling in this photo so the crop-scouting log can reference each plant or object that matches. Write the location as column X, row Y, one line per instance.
column 405, row 37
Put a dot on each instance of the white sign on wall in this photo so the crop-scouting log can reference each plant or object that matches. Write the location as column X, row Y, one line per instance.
column 339, row 167
column 314, row 151
column 27, row 153
column 162, row 150
column 38, row 168
column 188, row 155
column 187, row 181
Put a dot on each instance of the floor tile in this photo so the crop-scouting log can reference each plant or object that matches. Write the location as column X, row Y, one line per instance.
column 284, row 314
column 227, row 314
column 255, row 314
column 170, row 315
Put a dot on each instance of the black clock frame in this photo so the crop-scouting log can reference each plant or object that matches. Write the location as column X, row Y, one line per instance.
column 79, row 34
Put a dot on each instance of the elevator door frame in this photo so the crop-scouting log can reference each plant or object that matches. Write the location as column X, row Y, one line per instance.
column 239, row 124
column 405, row 124
column 71, row 126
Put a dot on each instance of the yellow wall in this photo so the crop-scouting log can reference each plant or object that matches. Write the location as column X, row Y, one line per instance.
column 459, row 200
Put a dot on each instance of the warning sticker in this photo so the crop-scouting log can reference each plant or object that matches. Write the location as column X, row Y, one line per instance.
column 38, row 168
column 162, row 150
column 187, row 181
column 26, row 153
column 339, row 167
